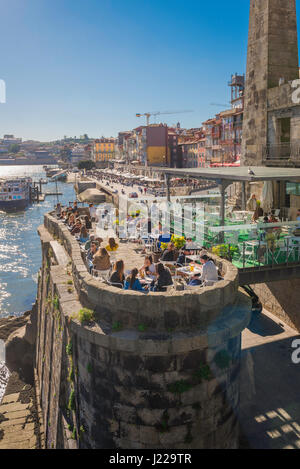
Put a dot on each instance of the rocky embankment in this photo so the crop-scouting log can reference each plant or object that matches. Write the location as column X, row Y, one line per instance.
column 7, row 327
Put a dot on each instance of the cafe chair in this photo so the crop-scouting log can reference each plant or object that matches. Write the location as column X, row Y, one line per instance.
column 114, row 284
column 103, row 274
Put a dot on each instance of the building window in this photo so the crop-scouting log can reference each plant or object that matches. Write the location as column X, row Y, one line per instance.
column 284, row 130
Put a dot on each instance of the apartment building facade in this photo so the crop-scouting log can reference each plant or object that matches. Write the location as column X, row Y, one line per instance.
column 103, row 149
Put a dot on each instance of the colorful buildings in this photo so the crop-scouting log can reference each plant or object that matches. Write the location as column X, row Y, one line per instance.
column 217, row 142
column 192, row 148
column 103, row 149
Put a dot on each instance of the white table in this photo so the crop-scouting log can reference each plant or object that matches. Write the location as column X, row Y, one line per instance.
column 188, row 272
column 147, row 280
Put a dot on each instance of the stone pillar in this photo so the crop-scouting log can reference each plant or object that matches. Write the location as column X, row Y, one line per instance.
column 272, row 55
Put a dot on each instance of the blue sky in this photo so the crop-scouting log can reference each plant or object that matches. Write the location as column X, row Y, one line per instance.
column 87, row 66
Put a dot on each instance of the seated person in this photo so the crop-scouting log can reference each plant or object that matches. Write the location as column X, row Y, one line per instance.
column 266, row 219
column 189, row 244
column 63, row 215
column 148, row 268
column 88, row 222
column 258, row 212
column 117, row 276
column 71, row 220
column 272, row 218
column 76, row 228
column 101, row 260
column 164, row 278
column 133, row 283
column 112, row 245
column 209, row 270
column 185, row 251
column 181, row 258
column 74, row 208
column 89, row 241
column 90, row 254
column 84, row 236
column 169, row 253
column 58, row 210
column 195, row 281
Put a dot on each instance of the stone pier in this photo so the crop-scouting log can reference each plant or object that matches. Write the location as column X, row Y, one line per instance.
column 142, row 371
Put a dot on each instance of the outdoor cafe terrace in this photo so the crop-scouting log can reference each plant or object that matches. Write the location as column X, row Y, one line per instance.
column 232, row 234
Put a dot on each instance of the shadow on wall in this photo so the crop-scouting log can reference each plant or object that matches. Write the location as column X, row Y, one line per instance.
column 269, row 413
column 282, row 299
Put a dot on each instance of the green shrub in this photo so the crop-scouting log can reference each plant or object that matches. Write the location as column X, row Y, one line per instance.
column 179, row 387
column 142, row 328
column 71, row 403
column 71, row 373
column 203, row 373
column 163, row 425
column 86, row 315
column 117, row 326
column 89, row 368
column 55, row 302
column 69, row 348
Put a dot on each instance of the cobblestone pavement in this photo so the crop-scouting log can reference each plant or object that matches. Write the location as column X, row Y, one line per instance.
column 270, row 384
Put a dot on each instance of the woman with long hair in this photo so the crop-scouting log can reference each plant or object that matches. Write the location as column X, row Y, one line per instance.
column 112, row 245
column 84, row 236
column 117, row 276
column 101, row 260
column 133, row 283
column 71, row 220
column 164, row 278
column 88, row 222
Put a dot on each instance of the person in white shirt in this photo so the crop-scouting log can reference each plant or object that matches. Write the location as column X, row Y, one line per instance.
column 209, row 271
column 93, row 212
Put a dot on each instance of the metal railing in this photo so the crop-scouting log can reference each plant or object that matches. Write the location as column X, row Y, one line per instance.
column 258, row 254
column 282, row 151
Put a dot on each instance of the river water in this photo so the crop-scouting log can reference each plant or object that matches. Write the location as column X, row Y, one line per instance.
column 20, row 248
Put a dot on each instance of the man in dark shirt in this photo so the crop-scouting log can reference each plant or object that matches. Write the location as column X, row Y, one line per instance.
column 169, row 253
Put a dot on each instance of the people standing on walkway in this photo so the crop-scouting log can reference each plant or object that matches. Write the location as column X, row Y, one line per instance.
column 252, row 203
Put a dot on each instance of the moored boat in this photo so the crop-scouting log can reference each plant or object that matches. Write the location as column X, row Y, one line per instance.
column 15, row 194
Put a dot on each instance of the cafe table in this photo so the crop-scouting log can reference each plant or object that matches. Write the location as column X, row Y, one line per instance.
column 187, row 271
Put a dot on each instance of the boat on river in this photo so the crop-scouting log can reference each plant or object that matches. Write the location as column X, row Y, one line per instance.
column 15, row 194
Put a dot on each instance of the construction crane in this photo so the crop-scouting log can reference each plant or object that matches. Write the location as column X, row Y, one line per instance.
column 149, row 114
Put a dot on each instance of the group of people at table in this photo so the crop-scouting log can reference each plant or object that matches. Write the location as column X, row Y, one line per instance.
column 150, row 276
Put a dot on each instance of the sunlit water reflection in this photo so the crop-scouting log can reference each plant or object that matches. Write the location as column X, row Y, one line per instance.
column 20, row 248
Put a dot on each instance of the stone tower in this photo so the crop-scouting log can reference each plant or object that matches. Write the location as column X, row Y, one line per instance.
column 272, row 56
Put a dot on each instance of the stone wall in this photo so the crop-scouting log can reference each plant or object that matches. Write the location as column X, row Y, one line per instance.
column 152, row 371
column 272, row 55
column 282, row 299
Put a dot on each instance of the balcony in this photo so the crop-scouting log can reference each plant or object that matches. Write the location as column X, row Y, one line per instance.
column 287, row 154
